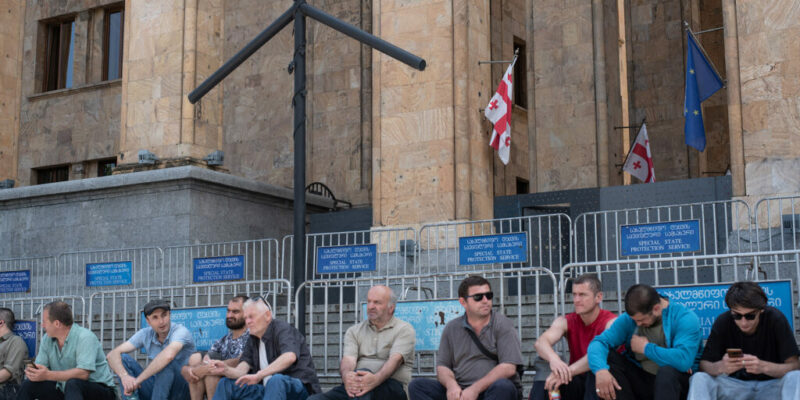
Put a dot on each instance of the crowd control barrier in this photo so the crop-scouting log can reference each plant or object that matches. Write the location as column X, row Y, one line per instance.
column 777, row 223
column 28, row 313
column 84, row 272
column 243, row 260
column 35, row 276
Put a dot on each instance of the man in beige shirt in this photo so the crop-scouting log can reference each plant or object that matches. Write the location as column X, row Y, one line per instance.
column 13, row 351
column 378, row 354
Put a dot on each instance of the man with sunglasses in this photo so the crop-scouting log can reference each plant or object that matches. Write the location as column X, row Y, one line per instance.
column 573, row 380
column 275, row 363
column 478, row 354
column 378, row 353
column 663, row 342
column 751, row 352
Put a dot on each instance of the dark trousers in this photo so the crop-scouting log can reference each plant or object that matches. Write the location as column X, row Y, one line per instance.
column 75, row 389
column 431, row 389
column 638, row 384
column 390, row 389
column 581, row 387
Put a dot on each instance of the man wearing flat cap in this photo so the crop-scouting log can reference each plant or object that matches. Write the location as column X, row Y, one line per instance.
column 168, row 347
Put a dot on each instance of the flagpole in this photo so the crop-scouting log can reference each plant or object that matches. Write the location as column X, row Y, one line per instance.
column 700, row 46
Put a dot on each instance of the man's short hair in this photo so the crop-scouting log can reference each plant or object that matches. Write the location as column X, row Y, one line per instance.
column 589, row 279
column 239, row 298
column 470, row 281
column 640, row 299
column 746, row 295
column 7, row 316
column 59, row 311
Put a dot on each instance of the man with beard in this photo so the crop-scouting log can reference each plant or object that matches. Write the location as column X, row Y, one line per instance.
column 168, row 346
column 228, row 349
column 378, row 353
column 663, row 342
column 478, row 354
column 573, row 380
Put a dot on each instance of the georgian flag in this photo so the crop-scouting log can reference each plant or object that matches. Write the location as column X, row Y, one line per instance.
column 499, row 112
column 639, row 162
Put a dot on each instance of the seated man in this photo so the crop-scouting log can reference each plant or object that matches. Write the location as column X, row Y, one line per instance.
column 275, row 363
column 70, row 363
column 666, row 347
column 466, row 370
column 13, row 351
column 580, row 327
column 228, row 349
column 168, row 346
column 378, row 353
column 751, row 352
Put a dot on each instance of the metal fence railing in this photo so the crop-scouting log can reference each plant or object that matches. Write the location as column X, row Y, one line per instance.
column 259, row 259
column 333, row 305
column 724, row 228
column 30, row 309
column 144, row 265
column 777, row 222
column 40, row 274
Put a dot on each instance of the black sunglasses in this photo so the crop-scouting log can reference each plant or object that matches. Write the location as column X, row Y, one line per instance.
column 480, row 296
column 749, row 316
column 263, row 300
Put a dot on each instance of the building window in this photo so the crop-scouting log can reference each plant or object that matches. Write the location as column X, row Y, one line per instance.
column 59, row 55
column 52, row 174
column 520, row 74
column 523, row 186
column 106, row 167
column 112, row 43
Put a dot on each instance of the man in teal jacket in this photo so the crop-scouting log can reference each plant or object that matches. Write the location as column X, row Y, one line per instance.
column 663, row 344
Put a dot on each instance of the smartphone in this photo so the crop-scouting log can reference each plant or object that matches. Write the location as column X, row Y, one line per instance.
column 735, row 353
column 29, row 364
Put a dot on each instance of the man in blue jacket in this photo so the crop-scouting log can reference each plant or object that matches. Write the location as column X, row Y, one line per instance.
column 663, row 343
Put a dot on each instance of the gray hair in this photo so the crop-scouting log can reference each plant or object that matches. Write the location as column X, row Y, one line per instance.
column 392, row 297
column 261, row 302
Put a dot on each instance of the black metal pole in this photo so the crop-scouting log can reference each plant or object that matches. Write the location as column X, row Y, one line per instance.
column 243, row 54
column 299, row 101
column 363, row 37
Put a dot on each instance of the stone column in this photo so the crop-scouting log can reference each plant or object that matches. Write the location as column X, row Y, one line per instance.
column 734, row 96
column 169, row 48
column 426, row 164
column 11, row 19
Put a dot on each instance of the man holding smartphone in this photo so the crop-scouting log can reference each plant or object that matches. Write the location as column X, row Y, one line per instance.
column 751, row 352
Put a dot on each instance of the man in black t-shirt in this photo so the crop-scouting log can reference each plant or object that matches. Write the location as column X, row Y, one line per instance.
column 751, row 352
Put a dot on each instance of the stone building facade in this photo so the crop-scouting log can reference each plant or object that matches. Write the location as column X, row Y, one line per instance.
column 412, row 145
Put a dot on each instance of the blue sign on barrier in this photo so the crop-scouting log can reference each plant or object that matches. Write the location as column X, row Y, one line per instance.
column 206, row 324
column 212, row 269
column 27, row 331
column 662, row 237
column 108, row 274
column 15, row 281
column 428, row 319
column 708, row 301
column 338, row 259
column 491, row 249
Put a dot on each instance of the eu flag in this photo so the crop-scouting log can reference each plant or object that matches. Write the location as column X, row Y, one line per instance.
column 701, row 82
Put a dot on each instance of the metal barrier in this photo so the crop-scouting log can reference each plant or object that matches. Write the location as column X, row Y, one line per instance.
column 618, row 275
column 724, row 229
column 333, row 305
column 143, row 264
column 393, row 251
column 43, row 276
column 116, row 315
column 30, row 309
column 777, row 223
column 548, row 240
column 259, row 259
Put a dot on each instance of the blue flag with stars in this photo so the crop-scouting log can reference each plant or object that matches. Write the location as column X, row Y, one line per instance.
column 701, row 82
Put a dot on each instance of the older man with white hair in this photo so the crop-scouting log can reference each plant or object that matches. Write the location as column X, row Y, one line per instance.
column 275, row 363
column 378, row 353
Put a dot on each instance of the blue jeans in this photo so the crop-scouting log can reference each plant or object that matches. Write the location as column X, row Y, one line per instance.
column 278, row 387
column 431, row 389
column 167, row 384
column 703, row 386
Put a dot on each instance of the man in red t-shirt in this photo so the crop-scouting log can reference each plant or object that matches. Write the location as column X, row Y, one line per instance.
column 579, row 328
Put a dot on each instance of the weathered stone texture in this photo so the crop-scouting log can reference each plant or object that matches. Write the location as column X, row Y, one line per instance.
column 769, row 62
column 11, row 17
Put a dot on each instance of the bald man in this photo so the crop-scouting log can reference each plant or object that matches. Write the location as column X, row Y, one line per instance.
column 378, row 353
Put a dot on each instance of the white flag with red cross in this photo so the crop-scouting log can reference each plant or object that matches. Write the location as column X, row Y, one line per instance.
column 499, row 112
column 639, row 162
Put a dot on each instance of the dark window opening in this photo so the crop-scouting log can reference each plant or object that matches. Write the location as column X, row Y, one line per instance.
column 520, row 74
column 52, row 174
column 112, row 43
column 59, row 55
column 106, row 167
column 523, row 186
